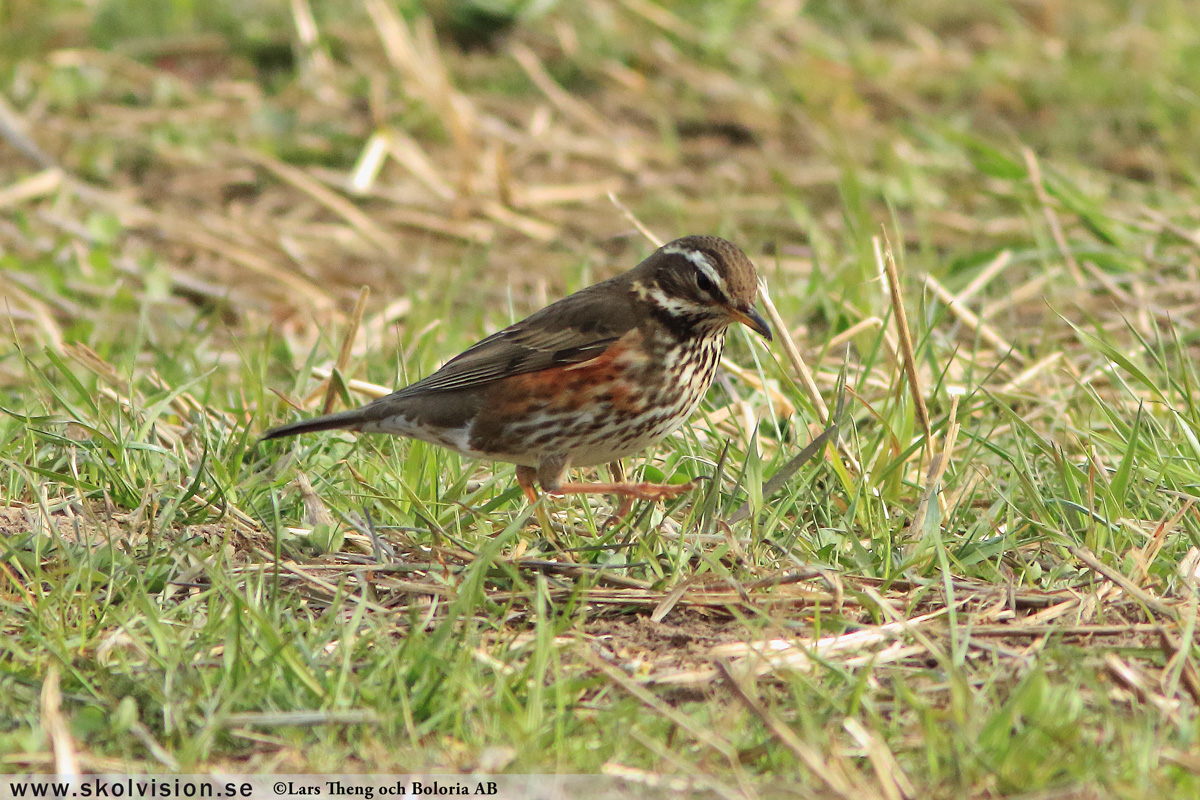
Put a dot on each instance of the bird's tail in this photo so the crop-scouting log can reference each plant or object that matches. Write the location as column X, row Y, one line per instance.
column 350, row 420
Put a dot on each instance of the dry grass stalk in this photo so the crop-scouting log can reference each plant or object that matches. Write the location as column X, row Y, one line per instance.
column 1189, row 675
column 33, row 187
column 371, row 390
column 1056, row 229
column 413, row 158
column 374, row 328
column 994, row 268
column 370, row 163
column 637, row 223
column 782, row 406
column 356, row 218
column 793, row 354
column 275, row 719
column 803, row 654
column 319, row 64
column 673, row 597
column 308, row 577
column 891, row 346
column 54, row 723
column 892, row 780
column 651, row 701
column 968, row 318
column 415, row 55
column 935, row 473
column 14, row 130
column 573, row 108
column 1165, row 223
column 833, row 774
column 670, row 23
column 530, row 226
column 1031, row 290
column 1111, row 286
column 347, row 347
column 679, row 778
column 187, row 232
column 1141, row 595
column 1137, row 682
column 533, row 195
column 887, row 267
column 863, row 325
column 889, row 610
column 473, row 232
column 1146, row 555
column 90, row 360
column 37, row 311
column 1032, row 372
column 315, row 512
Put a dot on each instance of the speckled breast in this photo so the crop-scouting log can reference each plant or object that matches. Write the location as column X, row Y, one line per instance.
column 638, row 391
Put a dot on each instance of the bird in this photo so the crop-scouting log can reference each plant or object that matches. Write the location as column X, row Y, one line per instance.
column 596, row 376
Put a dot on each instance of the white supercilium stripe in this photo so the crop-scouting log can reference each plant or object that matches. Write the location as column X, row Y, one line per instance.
column 699, row 259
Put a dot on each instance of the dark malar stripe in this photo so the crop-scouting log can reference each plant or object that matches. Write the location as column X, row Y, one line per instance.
column 681, row 327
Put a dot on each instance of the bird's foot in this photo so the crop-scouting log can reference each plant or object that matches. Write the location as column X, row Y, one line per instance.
column 627, row 491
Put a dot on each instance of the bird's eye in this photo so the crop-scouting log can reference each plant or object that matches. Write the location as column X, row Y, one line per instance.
column 706, row 285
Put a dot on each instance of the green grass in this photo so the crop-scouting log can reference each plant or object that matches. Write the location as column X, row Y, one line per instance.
column 205, row 611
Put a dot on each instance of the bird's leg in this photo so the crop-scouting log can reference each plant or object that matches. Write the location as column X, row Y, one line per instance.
column 525, row 477
column 624, row 502
column 636, row 491
column 551, row 470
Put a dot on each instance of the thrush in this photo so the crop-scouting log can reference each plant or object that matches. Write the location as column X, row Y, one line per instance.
column 594, row 377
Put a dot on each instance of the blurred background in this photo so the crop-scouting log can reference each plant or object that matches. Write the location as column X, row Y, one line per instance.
column 263, row 160
column 193, row 194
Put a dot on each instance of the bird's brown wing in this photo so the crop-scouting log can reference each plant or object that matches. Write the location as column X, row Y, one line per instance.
column 575, row 329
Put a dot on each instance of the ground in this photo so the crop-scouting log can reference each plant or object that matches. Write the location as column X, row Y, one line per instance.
column 979, row 234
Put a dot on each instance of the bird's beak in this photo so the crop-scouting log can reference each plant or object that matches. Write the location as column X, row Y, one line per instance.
column 752, row 320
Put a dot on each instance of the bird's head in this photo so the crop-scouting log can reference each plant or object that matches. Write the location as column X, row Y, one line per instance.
column 702, row 281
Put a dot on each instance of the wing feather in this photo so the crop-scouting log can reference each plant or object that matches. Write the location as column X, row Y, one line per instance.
column 577, row 328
